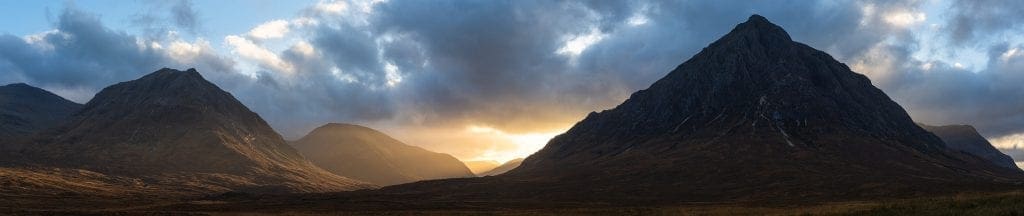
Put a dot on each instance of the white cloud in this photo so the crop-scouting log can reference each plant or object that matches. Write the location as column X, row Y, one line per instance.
column 1009, row 141
column 264, row 57
column 578, row 43
column 1010, row 54
column 39, row 40
column 904, row 18
column 331, row 7
column 270, row 30
column 392, row 74
column 185, row 52
column 637, row 20
column 304, row 48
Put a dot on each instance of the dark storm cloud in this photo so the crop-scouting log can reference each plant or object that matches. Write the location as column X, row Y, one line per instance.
column 992, row 99
column 974, row 19
column 82, row 54
column 495, row 62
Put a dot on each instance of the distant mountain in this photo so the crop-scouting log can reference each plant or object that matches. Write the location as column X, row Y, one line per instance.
column 481, row 166
column 25, row 109
column 507, row 166
column 966, row 138
column 368, row 155
column 179, row 130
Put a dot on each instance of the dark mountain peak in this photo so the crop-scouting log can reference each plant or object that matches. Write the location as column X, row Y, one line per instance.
column 25, row 109
column 170, row 88
column 26, row 89
column 758, row 29
column 172, row 75
column 18, row 85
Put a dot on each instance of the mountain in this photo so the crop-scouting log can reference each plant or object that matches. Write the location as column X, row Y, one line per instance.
column 368, row 155
column 25, row 109
column 966, row 138
column 176, row 129
column 481, row 166
column 505, row 167
column 757, row 115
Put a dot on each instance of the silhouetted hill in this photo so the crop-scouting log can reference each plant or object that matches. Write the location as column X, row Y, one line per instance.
column 481, row 166
column 505, row 167
column 25, row 109
column 176, row 129
column 368, row 155
column 966, row 138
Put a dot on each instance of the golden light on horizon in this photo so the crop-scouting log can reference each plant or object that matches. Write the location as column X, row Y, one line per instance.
column 526, row 143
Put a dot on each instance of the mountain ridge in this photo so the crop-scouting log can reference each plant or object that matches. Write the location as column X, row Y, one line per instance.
column 173, row 126
column 26, row 109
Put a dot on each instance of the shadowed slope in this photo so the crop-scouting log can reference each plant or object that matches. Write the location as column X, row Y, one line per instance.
column 26, row 109
column 966, row 138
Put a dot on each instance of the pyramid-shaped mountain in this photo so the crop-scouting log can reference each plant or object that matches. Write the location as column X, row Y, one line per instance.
column 756, row 114
column 368, row 155
column 176, row 128
column 25, row 109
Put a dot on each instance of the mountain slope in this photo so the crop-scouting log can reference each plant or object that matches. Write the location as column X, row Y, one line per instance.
column 966, row 138
column 368, row 155
column 176, row 128
column 505, row 167
column 26, row 109
column 479, row 167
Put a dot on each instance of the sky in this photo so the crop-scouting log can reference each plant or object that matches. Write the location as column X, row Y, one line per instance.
column 494, row 80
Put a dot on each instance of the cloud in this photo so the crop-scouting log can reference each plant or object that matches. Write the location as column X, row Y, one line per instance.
column 269, row 30
column 250, row 50
column 427, row 71
column 973, row 20
column 184, row 16
column 80, row 56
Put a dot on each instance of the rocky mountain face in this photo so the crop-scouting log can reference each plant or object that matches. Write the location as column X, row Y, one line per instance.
column 505, row 167
column 756, row 115
column 966, row 138
column 368, row 155
column 175, row 128
column 481, row 166
column 25, row 109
